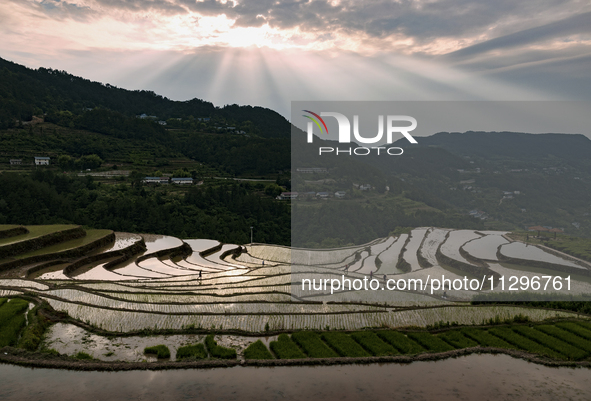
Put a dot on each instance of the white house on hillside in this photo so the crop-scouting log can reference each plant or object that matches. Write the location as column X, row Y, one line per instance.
column 42, row 161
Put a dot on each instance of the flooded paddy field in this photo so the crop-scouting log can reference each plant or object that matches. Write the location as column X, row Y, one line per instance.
column 175, row 293
column 473, row 377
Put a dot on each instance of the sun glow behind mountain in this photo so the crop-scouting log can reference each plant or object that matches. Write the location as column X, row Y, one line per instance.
column 269, row 53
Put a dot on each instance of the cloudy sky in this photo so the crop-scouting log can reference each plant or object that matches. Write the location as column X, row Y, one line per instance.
column 268, row 53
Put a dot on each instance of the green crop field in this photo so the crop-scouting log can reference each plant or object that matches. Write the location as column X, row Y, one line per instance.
column 313, row 345
column 91, row 235
column 566, row 336
column 401, row 342
column 196, row 351
column 571, row 352
column 161, row 351
column 12, row 320
column 457, row 339
column 431, row 342
column 257, row 350
column 372, row 343
column 217, row 351
column 344, row 344
column 486, row 339
column 524, row 343
column 285, row 348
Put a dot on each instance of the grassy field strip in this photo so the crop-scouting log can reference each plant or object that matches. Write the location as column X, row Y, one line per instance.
column 457, row 238
column 485, row 247
column 12, row 320
column 576, row 329
column 524, row 343
column 571, row 352
column 190, row 298
column 196, row 351
column 23, row 283
column 432, row 241
column 91, row 236
column 566, row 336
column 128, row 321
column 468, row 316
column 123, row 321
column 556, row 344
column 257, row 350
column 394, row 298
column 344, row 345
column 218, row 307
column 457, row 339
column 486, row 339
column 401, row 342
column 389, row 257
column 410, row 254
column 430, row 342
column 373, row 344
column 217, row 351
column 311, row 343
column 35, row 232
column 285, row 348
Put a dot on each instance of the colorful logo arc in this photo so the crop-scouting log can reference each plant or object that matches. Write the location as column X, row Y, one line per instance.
column 316, row 121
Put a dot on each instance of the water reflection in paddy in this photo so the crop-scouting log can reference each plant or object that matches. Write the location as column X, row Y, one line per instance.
column 475, row 377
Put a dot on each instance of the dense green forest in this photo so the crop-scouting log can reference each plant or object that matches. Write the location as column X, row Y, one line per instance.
column 222, row 211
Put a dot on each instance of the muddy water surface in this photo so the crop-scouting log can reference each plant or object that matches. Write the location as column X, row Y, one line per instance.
column 475, row 377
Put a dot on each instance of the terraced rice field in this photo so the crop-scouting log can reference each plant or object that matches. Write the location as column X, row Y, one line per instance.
column 257, row 291
column 434, row 238
column 520, row 250
column 455, row 240
column 485, row 247
column 410, row 255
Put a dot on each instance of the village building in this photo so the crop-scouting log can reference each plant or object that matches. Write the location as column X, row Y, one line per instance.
column 182, row 181
column 42, row 161
column 312, row 170
column 288, row 195
column 155, row 180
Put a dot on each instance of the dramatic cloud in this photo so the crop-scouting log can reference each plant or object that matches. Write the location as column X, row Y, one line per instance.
column 269, row 51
